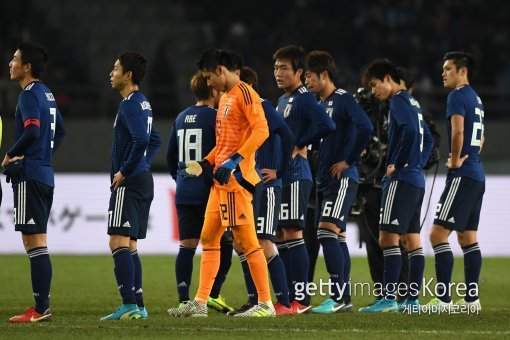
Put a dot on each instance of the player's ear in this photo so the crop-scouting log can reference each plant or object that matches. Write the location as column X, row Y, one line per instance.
column 27, row 67
column 299, row 72
column 128, row 75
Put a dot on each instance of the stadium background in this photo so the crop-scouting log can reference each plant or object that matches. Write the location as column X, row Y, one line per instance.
column 83, row 39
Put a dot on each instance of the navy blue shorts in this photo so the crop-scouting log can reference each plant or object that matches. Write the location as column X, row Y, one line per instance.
column 460, row 204
column 128, row 214
column 401, row 207
column 191, row 220
column 32, row 205
column 336, row 201
column 267, row 210
column 294, row 205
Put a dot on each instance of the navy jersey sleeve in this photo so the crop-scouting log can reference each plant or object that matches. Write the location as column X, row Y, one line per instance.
column 320, row 123
column 59, row 132
column 30, row 115
column 401, row 113
column 428, row 144
column 363, row 126
column 130, row 114
column 455, row 104
column 172, row 153
column 154, row 145
column 277, row 125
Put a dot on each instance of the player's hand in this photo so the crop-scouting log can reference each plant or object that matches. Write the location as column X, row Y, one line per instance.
column 390, row 170
column 268, row 175
column 118, row 178
column 449, row 164
column 226, row 169
column 337, row 169
column 303, row 152
column 8, row 160
column 14, row 171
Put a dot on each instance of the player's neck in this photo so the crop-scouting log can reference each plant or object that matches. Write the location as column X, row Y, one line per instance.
column 231, row 81
column 327, row 91
column 461, row 83
column 128, row 89
column 27, row 80
column 396, row 88
column 207, row 102
column 290, row 90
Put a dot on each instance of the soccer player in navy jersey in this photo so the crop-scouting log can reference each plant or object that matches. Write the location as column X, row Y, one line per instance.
column 39, row 130
column 135, row 144
column 409, row 146
column 309, row 122
column 271, row 159
column 337, row 176
column 460, row 204
column 191, row 139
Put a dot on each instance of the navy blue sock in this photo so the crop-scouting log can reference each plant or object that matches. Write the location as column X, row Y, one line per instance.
column 416, row 268
column 41, row 271
column 472, row 267
column 250, row 285
column 138, row 278
column 444, row 268
column 334, row 258
column 277, row 274
column 392, row 265
column 300, row 263
column 283, row 251
column 225, row 263
column 183, row 271
column 347, row 269
column 125, row 274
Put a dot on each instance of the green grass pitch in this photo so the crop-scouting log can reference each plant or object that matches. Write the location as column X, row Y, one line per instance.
column 84, row 289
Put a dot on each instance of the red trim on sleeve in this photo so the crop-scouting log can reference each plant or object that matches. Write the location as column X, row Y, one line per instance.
column 35, row 122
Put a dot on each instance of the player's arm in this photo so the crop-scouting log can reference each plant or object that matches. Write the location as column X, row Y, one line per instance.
column 342, row 158
column 401, row 112
column 364, row 128
column 278, row 126
column 428, row 144
column 172, row 153
column 455, row 160
column 59, row 132
column 252, row 108
column 138, row 131
column 154, row 144
column 30, row 114
column 320, row 124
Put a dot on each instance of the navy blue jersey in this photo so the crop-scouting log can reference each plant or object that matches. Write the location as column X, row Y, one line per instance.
column 465, row 102
column 309, row 122
column 277, row 149
column 409, row 139
column 37, row 107
column 191, row 139
column 353, row 129
column 134, row 140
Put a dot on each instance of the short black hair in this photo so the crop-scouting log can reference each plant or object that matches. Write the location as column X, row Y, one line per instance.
column 200, row 87
column 320, row 61
column 296, row 55
column 249, row 76
column 34, row 55
column 135, row 63
column 407, row 76
column 461, row 59
column 211, row 58
column 380, row 68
